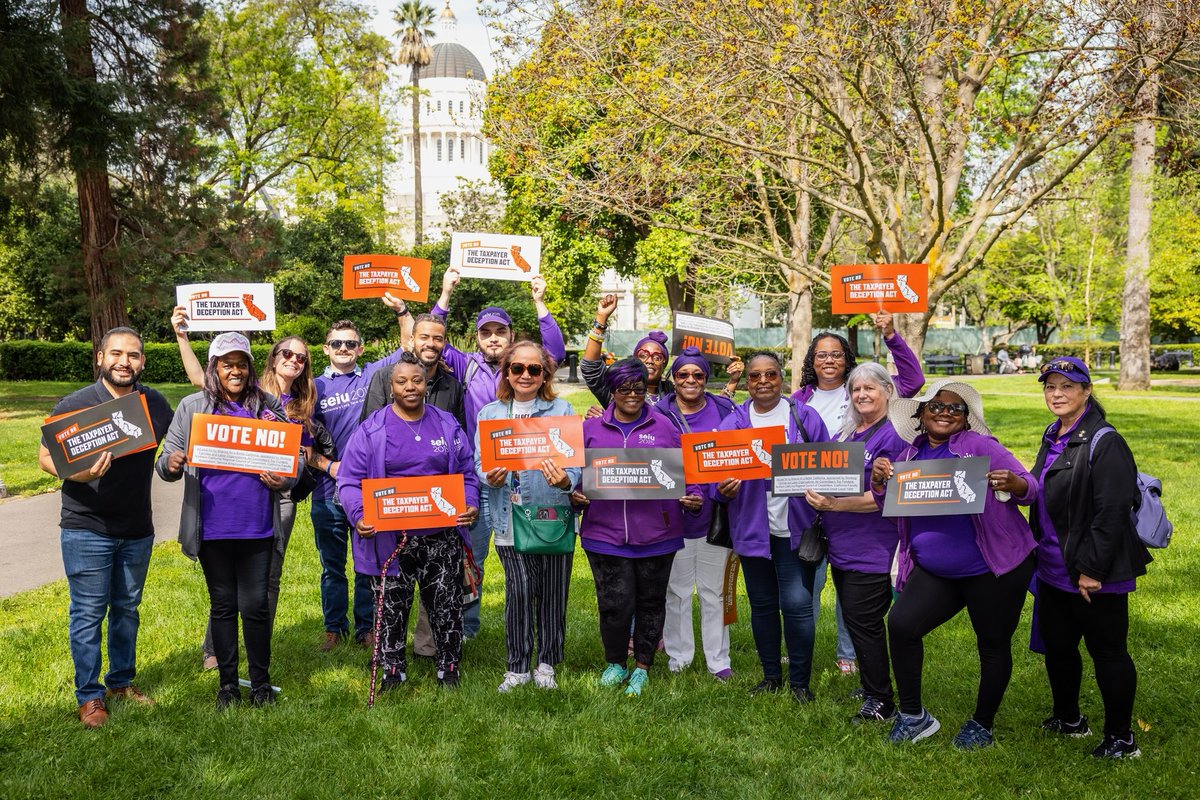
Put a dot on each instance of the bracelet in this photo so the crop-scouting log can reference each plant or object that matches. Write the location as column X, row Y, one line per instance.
column 600, row 326
column 597, row 339
column 403, row 312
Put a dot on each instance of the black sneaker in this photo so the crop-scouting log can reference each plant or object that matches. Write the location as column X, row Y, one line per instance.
column 392, row 680
column 858, row 694
column 767, row 686
column 1114, row 747
column 449, row 679
column 874, row 709
column 802, row 695
column 228, row 696
column 262, row 696
column 1060, row 726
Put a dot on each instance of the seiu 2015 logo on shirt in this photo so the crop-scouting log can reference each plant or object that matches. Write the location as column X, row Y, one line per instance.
column 338, row 399
column 439, row 444
column 647, row 438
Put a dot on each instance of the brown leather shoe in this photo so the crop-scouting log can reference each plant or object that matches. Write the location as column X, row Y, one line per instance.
column 130, row 693
column 209, row 663
column 368, row 640
column 330, row 641
column 93, row 713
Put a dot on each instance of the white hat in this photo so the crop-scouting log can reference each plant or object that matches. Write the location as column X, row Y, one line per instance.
column 902, row 409
column 229, row 343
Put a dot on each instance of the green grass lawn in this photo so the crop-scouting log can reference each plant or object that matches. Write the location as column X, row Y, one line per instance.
column 688, row 736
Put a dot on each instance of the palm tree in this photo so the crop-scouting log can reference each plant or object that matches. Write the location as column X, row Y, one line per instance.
column 416, row 29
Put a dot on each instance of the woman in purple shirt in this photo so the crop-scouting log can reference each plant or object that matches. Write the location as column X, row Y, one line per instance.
column 1089, row 556
column 981, row 562
column 231, row 521
column 862, row 541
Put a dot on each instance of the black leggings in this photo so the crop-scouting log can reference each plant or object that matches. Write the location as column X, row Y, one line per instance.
column 236, row 571
column 631, row 591
column 1063, row 619
column 865, row 598
column 994, row 603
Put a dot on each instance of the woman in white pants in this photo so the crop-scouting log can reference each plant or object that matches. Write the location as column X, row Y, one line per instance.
column 699, row 566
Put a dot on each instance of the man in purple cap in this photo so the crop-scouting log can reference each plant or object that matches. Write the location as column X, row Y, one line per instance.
column 480, row 374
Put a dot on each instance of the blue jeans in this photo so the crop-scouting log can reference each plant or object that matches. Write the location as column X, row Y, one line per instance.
column 105, row 576
column 782, row 584
column 481, row 539
column 845, row 647
column 332, row 532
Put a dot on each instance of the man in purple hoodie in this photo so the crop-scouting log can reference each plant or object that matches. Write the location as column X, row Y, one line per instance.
column 479, row 373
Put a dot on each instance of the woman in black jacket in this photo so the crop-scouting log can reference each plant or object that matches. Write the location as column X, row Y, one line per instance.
column 1089, row 556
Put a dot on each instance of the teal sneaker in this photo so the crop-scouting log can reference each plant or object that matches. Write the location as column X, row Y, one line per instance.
column 613, row 675
column 913, row 728
column 637, row 681
column 973, row 736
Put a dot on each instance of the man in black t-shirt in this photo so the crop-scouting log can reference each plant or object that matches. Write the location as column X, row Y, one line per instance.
column 107, row 534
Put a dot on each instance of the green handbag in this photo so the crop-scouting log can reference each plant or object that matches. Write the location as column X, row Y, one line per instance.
column 543, row 530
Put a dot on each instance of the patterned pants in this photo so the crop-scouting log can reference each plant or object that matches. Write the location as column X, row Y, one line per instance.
column 631, row 591
column 435, row 561
column 535, row 596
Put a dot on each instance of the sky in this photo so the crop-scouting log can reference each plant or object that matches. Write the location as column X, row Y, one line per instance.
column 472, row 33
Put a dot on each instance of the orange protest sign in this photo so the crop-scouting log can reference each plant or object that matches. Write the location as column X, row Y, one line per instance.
column 398, row 504
column 240, row 444
column 372, row 275
column 869, row 288
column 526, row 443
column 716, row 455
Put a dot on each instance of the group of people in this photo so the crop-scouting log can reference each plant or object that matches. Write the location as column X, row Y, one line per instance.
column 416, row 412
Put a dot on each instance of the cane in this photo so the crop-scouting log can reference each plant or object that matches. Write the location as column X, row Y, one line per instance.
column 379, row 617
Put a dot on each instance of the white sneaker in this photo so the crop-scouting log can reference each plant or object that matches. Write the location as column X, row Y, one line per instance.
column 678, row 666
column 543, row 677
column 512, row 680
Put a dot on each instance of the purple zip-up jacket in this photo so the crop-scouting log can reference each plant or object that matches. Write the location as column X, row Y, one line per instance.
column 695, row 526
column 1001, row 532
column 364, row 458
column 749, row 527
column 909, row 377
column 633, row 522
column 481, row 388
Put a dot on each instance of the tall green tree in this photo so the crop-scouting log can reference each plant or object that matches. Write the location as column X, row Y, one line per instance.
column 415, row 19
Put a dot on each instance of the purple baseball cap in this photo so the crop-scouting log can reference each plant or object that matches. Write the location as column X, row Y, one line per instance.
column 492, row 314
column 1070, row 367
column 228, row 343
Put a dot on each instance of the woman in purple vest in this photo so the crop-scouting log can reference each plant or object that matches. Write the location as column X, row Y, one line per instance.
column 981, row 562
column 1089, row 557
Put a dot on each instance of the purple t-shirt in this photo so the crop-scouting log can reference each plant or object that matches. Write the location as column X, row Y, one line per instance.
column 405, row 457
column 1051, row 568
column 234, row 505
column 945, row 546
column 865, row 542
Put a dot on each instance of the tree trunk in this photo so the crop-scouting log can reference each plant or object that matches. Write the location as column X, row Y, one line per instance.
column 99, row 226
column 418, row 198
column 1135, row 301
column 799, row 323
column 681, row 294
column 912, row 328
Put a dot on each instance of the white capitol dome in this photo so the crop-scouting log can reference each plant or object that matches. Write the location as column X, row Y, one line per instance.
column 453, row 87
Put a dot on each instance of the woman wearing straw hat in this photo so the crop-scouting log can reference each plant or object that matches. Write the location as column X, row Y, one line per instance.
column 980, row 562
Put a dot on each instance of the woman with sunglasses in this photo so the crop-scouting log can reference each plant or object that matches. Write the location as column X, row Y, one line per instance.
column 630, row 544
column 981, row 562
column 828, row 362
column 766, row 532
column 699, row 566
column 535, row 585
column 1089, row 557
column 231, row 521
column 411, row 438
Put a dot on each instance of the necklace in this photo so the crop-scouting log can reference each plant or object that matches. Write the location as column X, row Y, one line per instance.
column 416, row 432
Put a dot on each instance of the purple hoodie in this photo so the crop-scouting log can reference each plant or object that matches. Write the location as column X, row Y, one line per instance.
column 749, row 528
column 909, row 377
column 709, row 418
column 633, row 528
column 364, row 457
column 1001, row 532
column 480, row 382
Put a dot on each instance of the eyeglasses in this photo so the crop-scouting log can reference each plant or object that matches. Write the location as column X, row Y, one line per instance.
column 516, row 369
column 690, row 375
column 288, row 355
column 631, row 390
column 646, row 355
column 766, row 375
column 953, row 409
column 1066, row 366
column 829, row 355
column 349, row 344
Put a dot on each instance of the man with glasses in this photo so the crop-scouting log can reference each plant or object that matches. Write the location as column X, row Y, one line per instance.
column 341, row 391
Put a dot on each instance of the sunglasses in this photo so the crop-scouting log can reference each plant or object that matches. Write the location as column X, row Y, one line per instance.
column 768, row 375
column 1065, row 366
column 646, row 355
column 953, row 409
column 689, row 376
column 829, row 355
column 631, row 390
column 338, row 344
column 288, row 355
column 516, row 369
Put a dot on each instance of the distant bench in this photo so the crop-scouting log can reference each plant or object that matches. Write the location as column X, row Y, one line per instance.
column 951, row 365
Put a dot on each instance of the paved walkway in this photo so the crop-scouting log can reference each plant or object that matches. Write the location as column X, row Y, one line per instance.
column 29, row 550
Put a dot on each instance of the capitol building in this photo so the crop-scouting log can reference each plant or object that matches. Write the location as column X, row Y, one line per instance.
column 453, row 91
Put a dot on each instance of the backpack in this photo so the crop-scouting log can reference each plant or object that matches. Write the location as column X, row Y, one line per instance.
column 1148, row 517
